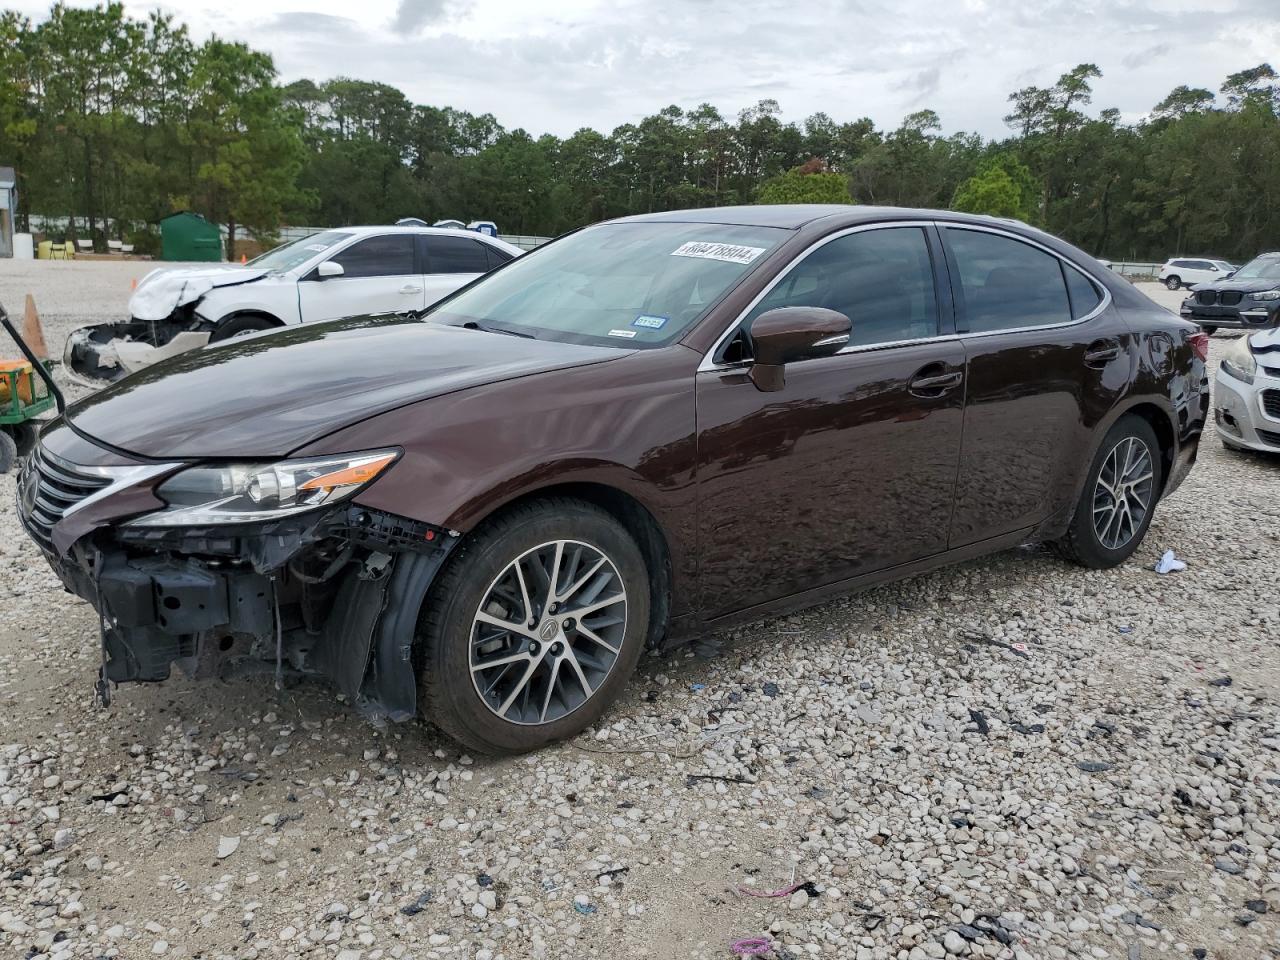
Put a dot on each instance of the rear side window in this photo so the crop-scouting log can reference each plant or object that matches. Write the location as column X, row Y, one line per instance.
column 456, row 255
column 390, row 255
column 1085, row 297
column 882, row 280
column 1007, row 284
column 496, row 257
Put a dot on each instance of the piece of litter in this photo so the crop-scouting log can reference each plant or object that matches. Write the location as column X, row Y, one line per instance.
column 751, row 946
column 415, row 908
column 1169, row 563
column 1020, row 647
column 695, row 687
column 1125, row 629
column 585, row 908
column 807, row 886
column 227, row 846
column 770, row 689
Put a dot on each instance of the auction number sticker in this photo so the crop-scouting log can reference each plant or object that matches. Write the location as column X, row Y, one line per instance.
column 649, row 322
column 624, row 334
column 728, row 252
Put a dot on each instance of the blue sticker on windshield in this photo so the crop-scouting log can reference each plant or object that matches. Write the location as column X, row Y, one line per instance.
column 649, row 322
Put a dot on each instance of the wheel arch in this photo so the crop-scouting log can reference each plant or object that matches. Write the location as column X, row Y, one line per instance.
column 635, row 518
column 248, row 312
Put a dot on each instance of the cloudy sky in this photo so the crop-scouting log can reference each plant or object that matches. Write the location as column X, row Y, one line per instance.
column 557, row 65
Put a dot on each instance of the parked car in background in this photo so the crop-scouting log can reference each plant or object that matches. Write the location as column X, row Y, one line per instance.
column 643, row 431
column 1187, row 271
column 1246, row 401
column 335, row 273
column 1248, row 299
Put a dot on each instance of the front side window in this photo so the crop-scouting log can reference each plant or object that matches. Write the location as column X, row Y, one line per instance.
column 1007, row 284
column 455, row 255
column 390, row 255
column 617, row 284
column 882, row 280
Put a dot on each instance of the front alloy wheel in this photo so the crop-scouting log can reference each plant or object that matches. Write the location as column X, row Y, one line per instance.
column 532, row 626
column 548, row 631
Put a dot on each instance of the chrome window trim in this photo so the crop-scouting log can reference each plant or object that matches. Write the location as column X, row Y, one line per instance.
column 709, row 364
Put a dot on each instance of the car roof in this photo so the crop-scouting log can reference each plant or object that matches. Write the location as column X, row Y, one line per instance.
column 430, row 231
column 793, row 216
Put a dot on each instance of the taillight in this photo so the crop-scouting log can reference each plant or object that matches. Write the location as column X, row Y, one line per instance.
column 1200, row 344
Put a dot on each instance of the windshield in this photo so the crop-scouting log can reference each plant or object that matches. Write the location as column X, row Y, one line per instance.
column 297, row 252
column 1260, row 268
column 617, row 284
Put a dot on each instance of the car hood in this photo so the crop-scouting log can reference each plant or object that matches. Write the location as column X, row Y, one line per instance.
column 268, row 394
column 1244, row 286
column 163, row 291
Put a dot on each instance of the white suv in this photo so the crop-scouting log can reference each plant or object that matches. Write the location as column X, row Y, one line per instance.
column 1187, row 271
column 336, row 273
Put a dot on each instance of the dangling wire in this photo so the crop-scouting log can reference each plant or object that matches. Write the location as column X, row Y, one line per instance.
column 275, row 601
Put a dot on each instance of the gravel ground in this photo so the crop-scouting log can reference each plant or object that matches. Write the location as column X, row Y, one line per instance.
column 1112, row 792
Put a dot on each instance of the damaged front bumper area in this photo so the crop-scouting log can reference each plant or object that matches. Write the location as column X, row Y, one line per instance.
column 333, row 594
column 106, row 352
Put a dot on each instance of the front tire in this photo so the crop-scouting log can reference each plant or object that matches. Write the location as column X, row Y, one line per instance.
column 1173, row 283
column 242, row 325
column 1119, row 497
column 533, row 627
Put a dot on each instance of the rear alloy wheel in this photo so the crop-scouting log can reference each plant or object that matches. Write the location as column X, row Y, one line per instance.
column 1118, row 499
column 533, row 627
column 1173, row 283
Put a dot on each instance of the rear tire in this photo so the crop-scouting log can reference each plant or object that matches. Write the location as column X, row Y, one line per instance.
column 1116, row 504
column 241, row 325
column 554, row 675
column 8, row 451
column 1173, row 283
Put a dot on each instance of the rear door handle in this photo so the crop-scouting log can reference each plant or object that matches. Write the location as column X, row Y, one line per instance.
column 409, row 288
column 935, row 385
column 1101, row 352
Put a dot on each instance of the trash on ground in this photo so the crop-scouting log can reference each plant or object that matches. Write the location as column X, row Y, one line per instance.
column 1169, row 563
column 751, row 946
column 1220, row 682
column 806, row 885
column 415, row 908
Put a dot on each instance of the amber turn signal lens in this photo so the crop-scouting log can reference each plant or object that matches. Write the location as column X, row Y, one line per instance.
column 351, row 476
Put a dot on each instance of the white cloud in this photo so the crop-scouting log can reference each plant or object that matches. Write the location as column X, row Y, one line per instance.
column 602, row 63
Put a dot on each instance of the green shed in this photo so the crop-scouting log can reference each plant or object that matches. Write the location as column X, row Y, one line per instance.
column 189, row 236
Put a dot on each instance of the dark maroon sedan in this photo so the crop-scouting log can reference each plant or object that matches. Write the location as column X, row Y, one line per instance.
column 641, row 432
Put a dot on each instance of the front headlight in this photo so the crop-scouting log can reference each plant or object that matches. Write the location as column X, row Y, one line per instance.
column 1239, row 361
column 1265, row 295
column 250, row 492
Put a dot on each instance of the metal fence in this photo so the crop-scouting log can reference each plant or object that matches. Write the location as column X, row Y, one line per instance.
column 1137, row 269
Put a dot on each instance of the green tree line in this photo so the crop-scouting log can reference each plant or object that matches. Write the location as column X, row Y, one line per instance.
column 115, row 122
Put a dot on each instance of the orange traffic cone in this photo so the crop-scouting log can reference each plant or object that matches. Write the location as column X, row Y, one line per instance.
column 133, row 284
column 244, row 259
column 32, row 332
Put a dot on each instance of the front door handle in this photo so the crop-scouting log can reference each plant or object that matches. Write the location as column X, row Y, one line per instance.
column 1101, row 352
column 409, row 288
column 935, row 385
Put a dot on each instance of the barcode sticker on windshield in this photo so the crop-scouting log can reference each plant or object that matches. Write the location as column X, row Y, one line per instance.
column 728, row 252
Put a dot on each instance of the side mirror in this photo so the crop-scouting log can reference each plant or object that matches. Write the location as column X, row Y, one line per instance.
column 328, row 269
column 788, row 334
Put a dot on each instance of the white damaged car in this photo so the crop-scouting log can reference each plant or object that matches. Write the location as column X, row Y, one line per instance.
column 332, row 274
